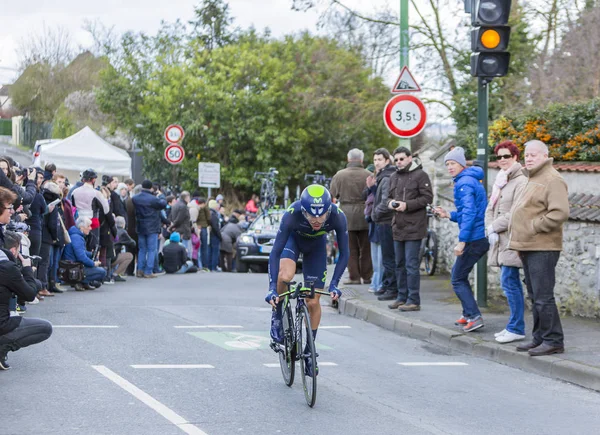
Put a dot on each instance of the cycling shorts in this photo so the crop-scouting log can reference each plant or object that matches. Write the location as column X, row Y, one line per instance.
column 314, row 257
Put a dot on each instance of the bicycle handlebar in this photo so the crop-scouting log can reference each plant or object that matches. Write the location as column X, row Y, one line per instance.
column 296, row 292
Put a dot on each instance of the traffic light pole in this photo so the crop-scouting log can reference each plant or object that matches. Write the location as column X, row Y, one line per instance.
column 482, row 156
column 404, row 48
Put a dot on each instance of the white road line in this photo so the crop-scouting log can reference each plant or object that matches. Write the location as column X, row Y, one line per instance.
column 149, row 401
column 86, row 326
column 335, row 327
column 208, row 326
column 172, row 366
column 421, row 364
column 319, row 363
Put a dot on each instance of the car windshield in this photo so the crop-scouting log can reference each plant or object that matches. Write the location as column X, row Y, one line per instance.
column 268, row 222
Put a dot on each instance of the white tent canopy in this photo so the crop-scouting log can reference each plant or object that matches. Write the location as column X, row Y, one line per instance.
column 85, row 149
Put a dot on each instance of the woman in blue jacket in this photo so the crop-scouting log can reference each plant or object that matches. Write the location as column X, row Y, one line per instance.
column 471, row 201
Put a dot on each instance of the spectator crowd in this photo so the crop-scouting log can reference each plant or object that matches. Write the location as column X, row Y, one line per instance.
column 54, row 235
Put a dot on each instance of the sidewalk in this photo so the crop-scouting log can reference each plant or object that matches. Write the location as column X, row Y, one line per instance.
column 580, row 364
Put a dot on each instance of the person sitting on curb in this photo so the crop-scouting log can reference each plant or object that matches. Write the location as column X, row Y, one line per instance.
column 16, row 331
column 123, row 243
column 176, row 257
column 471, row 201
column 75, row 251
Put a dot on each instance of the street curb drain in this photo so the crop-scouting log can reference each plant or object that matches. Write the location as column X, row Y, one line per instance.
column 549, row 366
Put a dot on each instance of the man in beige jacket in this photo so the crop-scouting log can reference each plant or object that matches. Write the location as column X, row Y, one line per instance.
column 535, row 231
column 347, row 186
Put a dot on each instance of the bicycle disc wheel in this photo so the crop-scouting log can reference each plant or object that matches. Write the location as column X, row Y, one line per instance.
column 431, row 252
column 287, row 357
column 305, row 341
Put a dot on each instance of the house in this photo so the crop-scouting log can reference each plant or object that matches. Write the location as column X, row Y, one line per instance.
column 5, row 100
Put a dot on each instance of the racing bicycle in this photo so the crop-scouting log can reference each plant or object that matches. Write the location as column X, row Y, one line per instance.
column 298, row 343
column 268, row 196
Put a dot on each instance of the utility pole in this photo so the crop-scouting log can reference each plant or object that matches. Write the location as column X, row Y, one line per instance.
column 482, row 155
column 404, row 48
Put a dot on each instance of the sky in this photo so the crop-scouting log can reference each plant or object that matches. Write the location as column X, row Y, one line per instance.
column 21, row 18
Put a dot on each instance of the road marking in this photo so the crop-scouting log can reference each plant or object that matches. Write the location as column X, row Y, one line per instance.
column 319, row 363
column 86, row 326
column 335, row 327
column 172, row 366
column 420, row 364
column 150, row 401
column 208, row 326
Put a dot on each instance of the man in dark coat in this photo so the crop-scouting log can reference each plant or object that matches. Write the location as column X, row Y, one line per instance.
column 181, row 221
column 176, row 257
column 16, row 331
column 148, row 226
column 410, row 193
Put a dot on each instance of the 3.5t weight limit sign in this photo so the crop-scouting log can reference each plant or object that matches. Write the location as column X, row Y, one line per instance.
column 174, row 154
column 405, row 116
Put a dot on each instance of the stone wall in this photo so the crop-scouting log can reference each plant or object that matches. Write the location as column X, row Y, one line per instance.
column 578, row 271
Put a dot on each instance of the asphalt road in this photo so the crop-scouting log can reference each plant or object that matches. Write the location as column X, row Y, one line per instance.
column 125, row 375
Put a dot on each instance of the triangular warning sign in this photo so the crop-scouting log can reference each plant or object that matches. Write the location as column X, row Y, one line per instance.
column 406, row 83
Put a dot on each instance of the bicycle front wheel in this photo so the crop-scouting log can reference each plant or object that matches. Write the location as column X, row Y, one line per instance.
column 287, row 356
column 308, row 355
column 431, row 253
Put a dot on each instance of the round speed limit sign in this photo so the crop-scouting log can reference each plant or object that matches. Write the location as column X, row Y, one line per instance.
column 174, row 154
column 405, row 116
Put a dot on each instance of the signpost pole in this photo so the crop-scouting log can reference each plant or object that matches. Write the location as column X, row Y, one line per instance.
column 404, row 48
column 482, row 156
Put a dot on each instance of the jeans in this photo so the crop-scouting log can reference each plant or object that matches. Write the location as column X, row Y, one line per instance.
column 376, row 259
column 148, row 244
column 93, row 274
column 408, row 274
column 156, row 266
column 540, row 277
column 204, row 248
column 185, row 267
column 187, row 244
column 511, row 284
column 215, row 244
column 55, row 254
column 388, row 260
column 30, row 331
column 44, row 265
column 460, row 276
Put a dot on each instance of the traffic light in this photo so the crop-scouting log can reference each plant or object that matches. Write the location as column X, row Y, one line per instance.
column 489, row 37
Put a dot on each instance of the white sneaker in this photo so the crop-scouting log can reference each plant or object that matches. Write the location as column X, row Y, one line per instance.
column 14, row 314
column 509, row 337
column 501, row 333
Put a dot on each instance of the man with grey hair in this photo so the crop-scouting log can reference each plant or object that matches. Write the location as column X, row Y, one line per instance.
column 181, row 221
column 536, row 232
column 348, row 186
column 76, row 252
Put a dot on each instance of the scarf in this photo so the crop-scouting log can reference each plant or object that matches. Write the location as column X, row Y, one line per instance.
column 501, row 181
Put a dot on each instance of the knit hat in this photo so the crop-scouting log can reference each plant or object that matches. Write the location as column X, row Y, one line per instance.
column 175, row 237
column 213, row 204
column 457, row 155
column 121, row 186
column 220, row 197
column 146, row 184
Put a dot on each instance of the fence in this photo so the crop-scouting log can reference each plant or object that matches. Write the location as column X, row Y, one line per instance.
column 5, row 127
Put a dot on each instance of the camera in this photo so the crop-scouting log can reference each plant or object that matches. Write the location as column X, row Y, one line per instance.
column 395, row 204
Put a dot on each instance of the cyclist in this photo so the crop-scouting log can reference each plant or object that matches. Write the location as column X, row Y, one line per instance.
column 304, row 229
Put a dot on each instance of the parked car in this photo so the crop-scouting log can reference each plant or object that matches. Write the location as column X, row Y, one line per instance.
column 255, row 245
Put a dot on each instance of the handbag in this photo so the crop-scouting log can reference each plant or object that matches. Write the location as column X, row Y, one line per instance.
column 70, row 271
column 65, row 232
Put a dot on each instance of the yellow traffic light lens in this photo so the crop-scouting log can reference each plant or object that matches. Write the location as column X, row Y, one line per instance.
column 490, row 39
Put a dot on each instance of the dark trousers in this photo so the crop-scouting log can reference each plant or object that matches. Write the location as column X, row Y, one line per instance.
column 540, row 277
column 204, row 248
column 214, row 251
column 386, row 237
column 133, row 251
column 36, row 243
column 359, row 264
column 42, row 272
column 407, row 271
column 30, row 331
column 226, row 261
column 460, row 276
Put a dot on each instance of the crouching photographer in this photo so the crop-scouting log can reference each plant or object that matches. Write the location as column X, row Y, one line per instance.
column 17, row 332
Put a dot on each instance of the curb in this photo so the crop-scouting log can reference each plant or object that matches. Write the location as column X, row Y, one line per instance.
column 549, row 366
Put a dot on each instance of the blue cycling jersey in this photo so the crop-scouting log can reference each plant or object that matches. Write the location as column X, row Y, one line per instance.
column 295, row 225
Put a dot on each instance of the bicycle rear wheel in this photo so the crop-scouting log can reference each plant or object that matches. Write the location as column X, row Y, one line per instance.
column 306, row 350
column 287, row 355
column 431, row 253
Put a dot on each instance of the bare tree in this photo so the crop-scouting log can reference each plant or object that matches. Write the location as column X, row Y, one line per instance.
column 51, row 46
